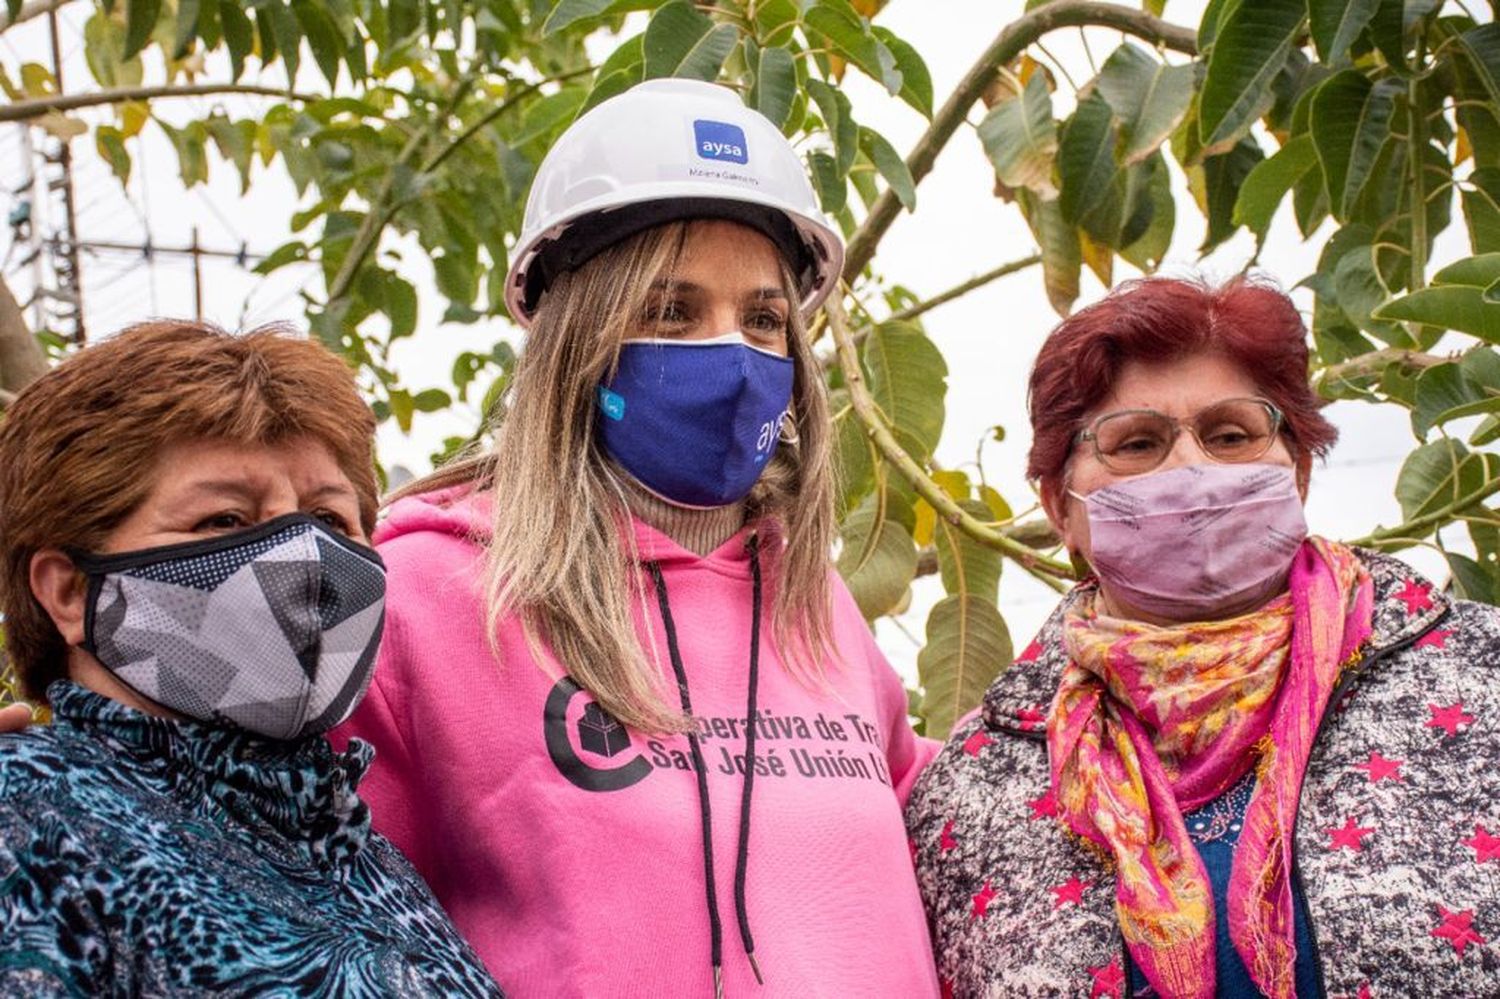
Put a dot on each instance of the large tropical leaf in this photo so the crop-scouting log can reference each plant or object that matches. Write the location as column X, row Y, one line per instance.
column 1440, row 474
column 1020, row 138
column 1062, row 257
column 1148, row 96
column 1267, row 184
column 1481, row 204
column 1351, row 120
column 908, row 379
column 1249, row 49
column 1222, row 177
column 1452, row 391
column 878, row 558
column 680, row 41
column 1335, row 26
column 1086, row 158
column 849, row 34
column 967, row 645
column 1456, row 300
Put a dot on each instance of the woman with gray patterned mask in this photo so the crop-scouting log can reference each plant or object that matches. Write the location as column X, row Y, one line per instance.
column 185, row 579
column 1238, row 760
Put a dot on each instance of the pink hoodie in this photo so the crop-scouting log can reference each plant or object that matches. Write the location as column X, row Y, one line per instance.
column 569, row 851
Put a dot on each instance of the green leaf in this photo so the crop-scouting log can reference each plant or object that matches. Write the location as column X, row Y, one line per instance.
column 1360, row 294
column 1335, row 25
column 1062, row 256
column 1250, row 47
column 286, row 253
column 1351, row 120
column 322, row 37
column 192, row 158
column 916, row 81
column 878, row 558
column 1020, row 138
column 850, row 36
column 854, row 458
column 140, row 21
column 1391, row 27
column 568, row 12
column 838, row 117
column 908, row 379
column 967, row 647
column 239, row 35
column 1442, row 390
column 1214, row 15
column 1455, row 301
column 400, row 307
column 1481, row 204
column 1267, row 184
column 1086, row 158
column 431, row 400
column 288, row 35
column 775, row 86
column 1149, row 97
column 186, row 27
column 775, row 20
column 891, row 166
column 682, row 42
column 967, row 568
column 1472, row 581
column 111, row 145
column 1149, row 248
column 1442, row 473
column 1223, row 176
column 403, row 406
column 833, row 192
column 1481, row 46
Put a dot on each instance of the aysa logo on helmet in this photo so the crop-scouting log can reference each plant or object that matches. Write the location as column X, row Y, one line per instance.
column 719, row 140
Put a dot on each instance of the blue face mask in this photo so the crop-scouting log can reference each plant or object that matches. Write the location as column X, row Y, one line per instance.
column 695, row 421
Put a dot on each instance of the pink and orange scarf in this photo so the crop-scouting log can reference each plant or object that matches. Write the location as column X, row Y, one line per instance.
column 1152, row 722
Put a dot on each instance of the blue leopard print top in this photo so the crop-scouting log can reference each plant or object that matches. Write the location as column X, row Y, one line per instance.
column 141, row 856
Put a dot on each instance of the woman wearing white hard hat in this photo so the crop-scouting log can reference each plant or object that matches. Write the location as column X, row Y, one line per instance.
column 631, row 727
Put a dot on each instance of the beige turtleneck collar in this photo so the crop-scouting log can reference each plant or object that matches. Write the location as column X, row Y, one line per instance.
column 700, row 531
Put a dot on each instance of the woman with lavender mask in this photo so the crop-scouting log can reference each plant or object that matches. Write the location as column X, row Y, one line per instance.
column 1238, row 760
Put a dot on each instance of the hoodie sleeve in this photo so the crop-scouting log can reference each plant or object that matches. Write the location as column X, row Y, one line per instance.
column 906, row 753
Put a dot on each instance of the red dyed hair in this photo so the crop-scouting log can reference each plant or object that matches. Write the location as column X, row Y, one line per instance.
column 1162, row 319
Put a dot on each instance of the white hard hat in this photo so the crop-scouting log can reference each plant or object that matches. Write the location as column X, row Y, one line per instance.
column 663, row 151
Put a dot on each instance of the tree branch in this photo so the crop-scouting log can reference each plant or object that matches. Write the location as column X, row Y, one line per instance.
column 892, row 451
column 1011, row 42
column 35, row 8
column 1405, row 534
column 941, row 298
column 1376, row 361
column 38, row 106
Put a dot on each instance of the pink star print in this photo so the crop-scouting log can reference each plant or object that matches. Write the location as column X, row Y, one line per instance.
column 1437, row 638
column 1380, row 768
column 1032, row 651
column 1069, row 891
column 982, row 899
column 1485, row 846
column 1107, row 980
column 974, row 743
column 1032, row 718
column 1349, row 836
column 947, row 986
column 1416, row 596
column 1450, row 718
column 946, row 841
column 1457, row 929
column 1044, row 807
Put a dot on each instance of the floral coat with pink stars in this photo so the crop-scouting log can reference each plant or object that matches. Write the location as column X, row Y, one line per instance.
column 1397, row 841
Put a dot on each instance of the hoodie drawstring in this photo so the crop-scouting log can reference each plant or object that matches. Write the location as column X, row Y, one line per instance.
column 705, row 817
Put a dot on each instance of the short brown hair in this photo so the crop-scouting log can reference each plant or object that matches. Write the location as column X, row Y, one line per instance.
column 78, row 447
column 1160, row 319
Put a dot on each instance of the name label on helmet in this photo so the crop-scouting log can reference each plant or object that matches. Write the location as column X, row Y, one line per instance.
column 719, row 140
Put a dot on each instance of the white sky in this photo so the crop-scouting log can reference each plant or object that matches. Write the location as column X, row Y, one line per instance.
column 959, row 230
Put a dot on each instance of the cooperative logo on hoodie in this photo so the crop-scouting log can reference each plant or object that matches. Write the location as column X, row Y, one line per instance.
column 598, row 732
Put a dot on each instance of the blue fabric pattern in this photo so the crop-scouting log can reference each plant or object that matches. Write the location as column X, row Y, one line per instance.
column 141, row 856
column 1214, row 830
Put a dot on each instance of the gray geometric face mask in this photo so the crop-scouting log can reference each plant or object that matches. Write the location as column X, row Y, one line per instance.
column 273, row 628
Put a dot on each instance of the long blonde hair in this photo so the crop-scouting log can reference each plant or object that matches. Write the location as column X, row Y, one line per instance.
column 562, row 556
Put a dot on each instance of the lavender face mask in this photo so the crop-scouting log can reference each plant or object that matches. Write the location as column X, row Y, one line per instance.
column 1199, row 542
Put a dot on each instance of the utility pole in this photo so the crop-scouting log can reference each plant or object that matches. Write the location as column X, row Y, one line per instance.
column 70, row 276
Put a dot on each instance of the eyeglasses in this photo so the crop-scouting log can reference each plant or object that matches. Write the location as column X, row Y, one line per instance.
column 1131, row 441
